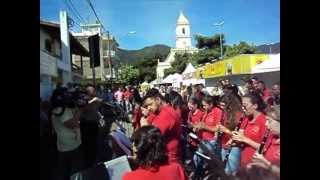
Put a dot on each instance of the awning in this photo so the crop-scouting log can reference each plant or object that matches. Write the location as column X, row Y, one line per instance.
column 273, row 64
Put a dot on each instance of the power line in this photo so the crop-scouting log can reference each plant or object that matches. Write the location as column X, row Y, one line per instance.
column 92, row 8
column 71, row 10
column 76, row 10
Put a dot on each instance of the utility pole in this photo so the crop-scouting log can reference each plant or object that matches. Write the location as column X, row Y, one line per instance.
column 65, row 65
column 93, row 74
column 220, row 25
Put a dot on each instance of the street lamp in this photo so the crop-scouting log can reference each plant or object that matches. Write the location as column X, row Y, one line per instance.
column 220, row 25
column 131, row 32
column 269, row 44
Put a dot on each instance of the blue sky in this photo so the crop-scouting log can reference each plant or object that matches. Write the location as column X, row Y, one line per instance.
column 253, row 21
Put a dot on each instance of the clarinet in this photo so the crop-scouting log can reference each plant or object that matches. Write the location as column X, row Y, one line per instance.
column 263, row 142
column 232, row 143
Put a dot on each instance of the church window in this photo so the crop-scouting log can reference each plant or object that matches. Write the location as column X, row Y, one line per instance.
column 183, row 31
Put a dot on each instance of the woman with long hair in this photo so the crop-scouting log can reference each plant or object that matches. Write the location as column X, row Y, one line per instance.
column 252, row 128
column 150, row 154
column 137, row 112
column 231, row 106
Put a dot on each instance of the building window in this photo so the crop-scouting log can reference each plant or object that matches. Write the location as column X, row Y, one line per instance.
column 48, row 45
column 183, row 31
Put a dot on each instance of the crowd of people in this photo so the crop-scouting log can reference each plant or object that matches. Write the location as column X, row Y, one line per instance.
column 169, row 128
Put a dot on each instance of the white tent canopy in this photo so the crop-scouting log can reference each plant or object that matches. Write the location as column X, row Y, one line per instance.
column 173, row 78
column 167, row 79
column 271, row 65
column 193, row 81
column 189, row 69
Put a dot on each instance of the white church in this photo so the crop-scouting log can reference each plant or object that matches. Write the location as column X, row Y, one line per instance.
column 183, row 45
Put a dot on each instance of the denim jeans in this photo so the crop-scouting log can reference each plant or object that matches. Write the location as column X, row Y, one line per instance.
column 198, row 161
column 233, row 162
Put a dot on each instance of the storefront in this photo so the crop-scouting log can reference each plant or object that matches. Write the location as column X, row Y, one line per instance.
column 234, row 68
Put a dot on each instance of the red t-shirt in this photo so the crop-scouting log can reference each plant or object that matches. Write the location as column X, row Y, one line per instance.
column 127, row 94
column 193, row 119
column 271, row 149
column 196, row 116
column 211, row 119
column 266, row 94
column 172, row 171
column 169, row 124
column 255, row 131
column 151, row 117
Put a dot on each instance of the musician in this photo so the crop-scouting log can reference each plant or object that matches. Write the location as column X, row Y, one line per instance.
column 252, row 128
column 195, row 114
column 149, row 150
column 231, row 105
column 274, row 99
column 270, row 155
column 212, row 117
column 265, row 92
column 167, row 120
column 208, row 127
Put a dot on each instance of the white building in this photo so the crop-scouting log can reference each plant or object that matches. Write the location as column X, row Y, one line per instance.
column 52, row 69
column 183, row 45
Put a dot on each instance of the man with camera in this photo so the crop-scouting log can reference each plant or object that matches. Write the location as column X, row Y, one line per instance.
column 65, row 121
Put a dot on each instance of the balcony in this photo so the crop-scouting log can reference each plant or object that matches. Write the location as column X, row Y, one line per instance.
column 48, row 64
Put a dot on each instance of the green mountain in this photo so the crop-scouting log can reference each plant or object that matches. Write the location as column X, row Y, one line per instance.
column 273, row 48
column 149, row 52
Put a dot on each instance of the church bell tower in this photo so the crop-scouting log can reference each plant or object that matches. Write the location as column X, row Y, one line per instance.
column 183, row 37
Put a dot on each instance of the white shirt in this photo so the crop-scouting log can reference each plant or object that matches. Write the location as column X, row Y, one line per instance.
column 67, row 139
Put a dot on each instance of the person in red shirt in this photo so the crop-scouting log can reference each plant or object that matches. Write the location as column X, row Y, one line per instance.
column 270, row 155
column 150, row 154
column 167, row 120
column 252, row 128
column 194, row 116
column 195, row 113
column 207, row 129
column 136, row 117
column 265, row 92
column 210, row 121
column 127, row 92
column 137, row 112
column 231, row 105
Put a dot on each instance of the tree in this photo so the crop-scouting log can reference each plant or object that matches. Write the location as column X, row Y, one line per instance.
column 179, row 64
column 241, row 48
column 128, row 73
column 210, row 49
column 212, row 42
column 147, row 69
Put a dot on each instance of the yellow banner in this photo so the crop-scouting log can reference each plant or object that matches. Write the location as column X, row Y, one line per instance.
column 241, row 64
